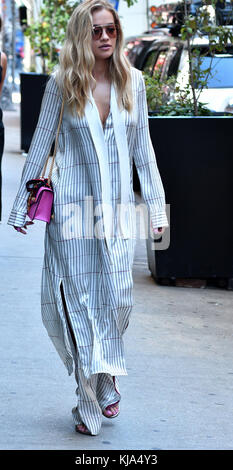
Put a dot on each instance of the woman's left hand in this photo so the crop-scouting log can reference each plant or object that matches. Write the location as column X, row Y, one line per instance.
column 159, row 230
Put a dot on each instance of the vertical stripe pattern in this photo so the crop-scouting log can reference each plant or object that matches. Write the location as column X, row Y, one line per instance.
column 96, row 279
column 93, row 394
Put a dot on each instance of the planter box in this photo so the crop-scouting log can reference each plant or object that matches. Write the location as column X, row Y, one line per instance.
column 32, row 86
column 195, row 160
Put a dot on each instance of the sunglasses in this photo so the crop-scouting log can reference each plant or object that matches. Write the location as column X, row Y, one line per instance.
column 97, row 31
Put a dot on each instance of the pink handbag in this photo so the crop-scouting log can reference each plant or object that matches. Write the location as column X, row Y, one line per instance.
column 40, row 200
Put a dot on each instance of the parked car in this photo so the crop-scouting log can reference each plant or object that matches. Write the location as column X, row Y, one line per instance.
column 136, row 46
column 224, row 12
column 169, row 56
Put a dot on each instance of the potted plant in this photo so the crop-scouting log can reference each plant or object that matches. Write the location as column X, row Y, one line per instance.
column 193, row 148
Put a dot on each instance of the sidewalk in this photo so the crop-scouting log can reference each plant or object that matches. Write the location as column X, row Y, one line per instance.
column 179, row 350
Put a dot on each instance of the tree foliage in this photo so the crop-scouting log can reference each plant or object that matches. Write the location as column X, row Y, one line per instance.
column 47, row 33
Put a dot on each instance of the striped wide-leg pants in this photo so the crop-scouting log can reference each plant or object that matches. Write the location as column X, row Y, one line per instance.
column 94, row 393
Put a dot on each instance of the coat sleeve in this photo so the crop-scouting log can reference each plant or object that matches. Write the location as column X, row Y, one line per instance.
column 145, row 162
column 41, row 143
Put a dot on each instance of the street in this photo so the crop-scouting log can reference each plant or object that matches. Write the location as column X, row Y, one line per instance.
column 179, row 350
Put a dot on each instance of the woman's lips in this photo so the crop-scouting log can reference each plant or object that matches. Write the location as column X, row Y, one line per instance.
column 105, row 47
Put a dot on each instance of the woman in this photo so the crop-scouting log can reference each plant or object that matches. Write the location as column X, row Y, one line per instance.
column 3, row 67
column 87, row 273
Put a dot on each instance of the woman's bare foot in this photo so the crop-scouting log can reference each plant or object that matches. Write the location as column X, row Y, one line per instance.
column 81, row 428
column 112, row 411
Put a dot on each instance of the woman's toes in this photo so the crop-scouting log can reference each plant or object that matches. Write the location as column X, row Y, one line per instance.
column 111, row 410
column 82, row 428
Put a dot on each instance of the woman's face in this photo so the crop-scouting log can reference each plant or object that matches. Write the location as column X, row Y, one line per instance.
column 103, row 47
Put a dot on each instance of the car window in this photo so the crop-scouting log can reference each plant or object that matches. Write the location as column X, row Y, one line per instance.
column 160, row 62
column 149, row 63
column 221, row 70
column 155, row 61
column 173, row 60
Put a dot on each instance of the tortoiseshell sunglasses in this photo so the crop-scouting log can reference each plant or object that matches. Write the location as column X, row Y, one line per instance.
column 110, row 29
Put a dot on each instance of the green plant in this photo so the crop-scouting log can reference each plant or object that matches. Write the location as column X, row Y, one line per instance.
column 166, row 98
column 47, row 33
column 131, row 2
column 157, row 91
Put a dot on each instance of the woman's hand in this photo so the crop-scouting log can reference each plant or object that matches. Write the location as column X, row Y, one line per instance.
column 159, row 230
column 21, row 229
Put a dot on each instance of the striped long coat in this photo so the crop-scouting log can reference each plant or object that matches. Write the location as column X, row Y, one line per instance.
column 88, row 247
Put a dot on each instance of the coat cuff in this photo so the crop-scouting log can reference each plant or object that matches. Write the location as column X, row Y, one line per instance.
column 159, row 219
column 17, row 219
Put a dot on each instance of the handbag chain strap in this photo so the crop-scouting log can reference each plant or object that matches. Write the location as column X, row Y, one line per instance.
column 55, row 147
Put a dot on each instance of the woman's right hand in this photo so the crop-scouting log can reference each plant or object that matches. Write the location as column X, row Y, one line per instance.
column 21, row 229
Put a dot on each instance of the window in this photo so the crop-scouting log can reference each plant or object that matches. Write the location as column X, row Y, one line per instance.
column 155, row 62
column 221, row 65
column 174, row 60
column 221, row 71
column 148, row 66
column 159, row 65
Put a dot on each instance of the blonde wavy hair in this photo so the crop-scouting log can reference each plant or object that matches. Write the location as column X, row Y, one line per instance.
column 76, row 62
